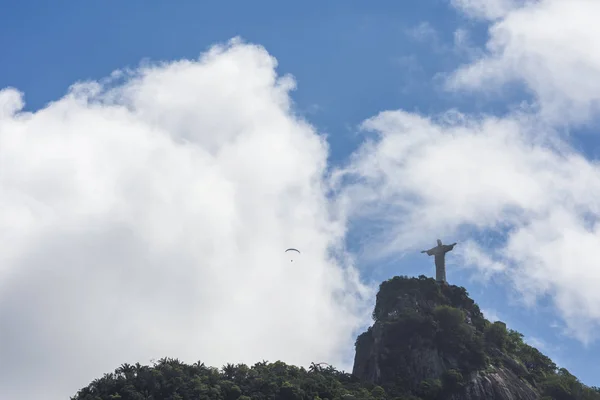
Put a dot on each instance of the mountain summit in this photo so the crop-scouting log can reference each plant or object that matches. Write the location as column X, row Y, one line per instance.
column 431, row 340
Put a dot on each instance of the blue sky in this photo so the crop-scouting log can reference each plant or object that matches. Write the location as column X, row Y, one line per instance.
column 351, row 60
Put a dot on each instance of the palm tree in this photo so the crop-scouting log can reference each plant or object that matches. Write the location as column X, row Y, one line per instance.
column 229, row 371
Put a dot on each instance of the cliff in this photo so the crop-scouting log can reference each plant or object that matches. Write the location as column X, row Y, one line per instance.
column 432, row 341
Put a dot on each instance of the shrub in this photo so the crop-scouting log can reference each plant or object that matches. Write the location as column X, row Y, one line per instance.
column 452, row 380
column 430, row 389
column 496, row 334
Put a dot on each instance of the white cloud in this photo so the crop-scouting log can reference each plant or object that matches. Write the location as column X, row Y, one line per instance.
column 537, row 343
column 422, row 178
column 550, row 46
column 149, row 219
column 491, row 315
column 473, row 256
column 487, row 9
column 423, row 32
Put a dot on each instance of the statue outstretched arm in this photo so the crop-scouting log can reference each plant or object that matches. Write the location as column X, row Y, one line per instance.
column 448, row 247
column 429, row 252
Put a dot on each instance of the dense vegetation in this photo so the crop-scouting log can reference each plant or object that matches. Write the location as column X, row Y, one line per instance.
column 415, row 310
column 421, row 312
column 170, row 379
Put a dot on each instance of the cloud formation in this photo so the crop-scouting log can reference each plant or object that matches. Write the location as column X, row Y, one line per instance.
column 147, row 215
column 549, row 46
column 487, row 9
column 461, row 175
column 515, row 177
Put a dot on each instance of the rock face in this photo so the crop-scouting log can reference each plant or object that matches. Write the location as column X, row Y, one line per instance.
column 432, row 341
column 500, row 384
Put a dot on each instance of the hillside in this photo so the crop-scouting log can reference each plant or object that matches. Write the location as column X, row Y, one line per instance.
column 433, row 341
column 428, row 341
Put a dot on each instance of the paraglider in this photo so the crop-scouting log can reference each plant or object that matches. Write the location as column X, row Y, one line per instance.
column 292, row 250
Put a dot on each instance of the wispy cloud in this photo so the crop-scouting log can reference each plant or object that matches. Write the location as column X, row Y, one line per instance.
column 491, row 315
column 423, row 32
column 487, row 9
column 550, row 47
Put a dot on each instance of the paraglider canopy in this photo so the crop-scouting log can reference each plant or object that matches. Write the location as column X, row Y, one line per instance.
column 292, row 256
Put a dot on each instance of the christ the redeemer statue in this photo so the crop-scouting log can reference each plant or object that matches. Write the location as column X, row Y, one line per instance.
column 439, row 252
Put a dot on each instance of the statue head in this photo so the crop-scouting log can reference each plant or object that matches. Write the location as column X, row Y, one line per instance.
column 439, row 242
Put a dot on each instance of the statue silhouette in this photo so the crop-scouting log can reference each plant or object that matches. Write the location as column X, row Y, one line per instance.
column 439, row 252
